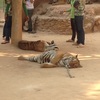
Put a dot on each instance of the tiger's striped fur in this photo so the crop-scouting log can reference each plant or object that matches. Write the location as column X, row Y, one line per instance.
column 53, row 58
column 39, row 45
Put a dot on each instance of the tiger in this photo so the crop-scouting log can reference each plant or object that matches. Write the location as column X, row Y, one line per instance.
column 54, row 58
column 39, row 45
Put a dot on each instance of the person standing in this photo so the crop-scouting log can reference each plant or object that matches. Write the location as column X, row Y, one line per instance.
column 8, row 21
column 30, row 8
column 72, row 21
column 79, row 15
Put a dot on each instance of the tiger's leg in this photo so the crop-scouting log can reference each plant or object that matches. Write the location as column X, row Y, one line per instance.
column 68, row 71
column 26, row 58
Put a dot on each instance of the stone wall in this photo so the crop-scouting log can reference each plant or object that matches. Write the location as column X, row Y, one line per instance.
column 54, row 18
column 37, row 2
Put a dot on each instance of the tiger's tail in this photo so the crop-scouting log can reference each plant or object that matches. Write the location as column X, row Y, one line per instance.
column 32, row 59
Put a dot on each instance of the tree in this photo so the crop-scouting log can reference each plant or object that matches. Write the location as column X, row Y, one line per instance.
column 16, row 35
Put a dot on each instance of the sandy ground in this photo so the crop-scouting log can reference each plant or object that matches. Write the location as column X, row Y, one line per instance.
column 23, row 80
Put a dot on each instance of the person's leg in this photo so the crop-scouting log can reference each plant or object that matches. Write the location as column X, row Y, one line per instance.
column 73, row 29
column 81, row 35
column 8, row 30
column 72, row 21
column 4, row 31
column 9, row 25
column 30, row 13
column 80, row 30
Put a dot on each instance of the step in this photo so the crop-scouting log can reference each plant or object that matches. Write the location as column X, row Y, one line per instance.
column 56, row 19
column 58, row 10
column 61, row 10
column 60, row 25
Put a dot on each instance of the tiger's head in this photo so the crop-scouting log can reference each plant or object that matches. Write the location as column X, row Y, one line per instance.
column 74, row 62
column 51, row 46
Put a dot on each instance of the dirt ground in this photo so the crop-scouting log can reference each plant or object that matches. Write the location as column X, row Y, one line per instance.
column 23, row 80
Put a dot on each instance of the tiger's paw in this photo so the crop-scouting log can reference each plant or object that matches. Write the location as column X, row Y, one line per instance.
column 21, row 58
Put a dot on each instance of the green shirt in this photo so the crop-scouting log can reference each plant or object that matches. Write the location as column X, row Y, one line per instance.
column 8, row 9
column 80, row 10
column 72, row 9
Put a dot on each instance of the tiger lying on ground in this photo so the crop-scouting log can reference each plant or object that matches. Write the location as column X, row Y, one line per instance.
column 53, row 58
column 39, row 45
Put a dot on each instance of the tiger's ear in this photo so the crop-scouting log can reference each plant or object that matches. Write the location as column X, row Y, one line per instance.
column 76, row 56
column 52, row 42
column 48, row 43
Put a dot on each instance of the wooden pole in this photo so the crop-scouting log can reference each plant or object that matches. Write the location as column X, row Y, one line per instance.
column 16, row 34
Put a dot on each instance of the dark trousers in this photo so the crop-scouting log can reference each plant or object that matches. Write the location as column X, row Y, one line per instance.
column 7, row 28
column 73, row 27
column 4, row 29
column 30, row 13
column 79, row 29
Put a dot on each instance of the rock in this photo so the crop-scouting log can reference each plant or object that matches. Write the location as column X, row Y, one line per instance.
column 54, row 18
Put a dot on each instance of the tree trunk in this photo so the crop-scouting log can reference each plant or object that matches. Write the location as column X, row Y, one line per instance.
column 16, row 35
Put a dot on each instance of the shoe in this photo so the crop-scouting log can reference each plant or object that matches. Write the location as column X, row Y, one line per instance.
column 4, row 42
column 80, row 46
column 32, row 32
column 70, row 40
column 27, row 30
